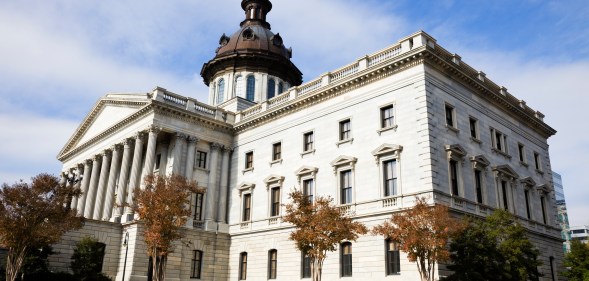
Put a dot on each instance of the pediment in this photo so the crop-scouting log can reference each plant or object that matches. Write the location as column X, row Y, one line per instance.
column 455, row 150
column 544, row 189
column 528, row 182
column 245, row 187
column 305, row 170
column 506, row 170
column 387, row 149
column 272, row 179
column 109, row 112
column 343, row 160
column 480, row 161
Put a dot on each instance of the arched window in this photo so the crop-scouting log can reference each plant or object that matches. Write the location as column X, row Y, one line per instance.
column 220, row 90
column 271, row 88
column 250, row 88
column 280, row 88
column 196, row 264
column 239, row 86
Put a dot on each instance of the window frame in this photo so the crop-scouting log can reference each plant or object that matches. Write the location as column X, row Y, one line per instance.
column 345, row 129
column 478, row 186
column 198, row 207
column 537, row 161
column 473, row 124
column 346, row 262
column 275, row 201
column 243, row 266
column 387, row 152
column 450, row 116
column 308, row 142
column 272, row 264
column 276, row 151
column 499, row 142
column 246, row 207
column 199, row 160
column 392, row 258
column 309, row 183
column 239, row 86
column 305, row 266
column 455, row 154
column 479, row 166
column 196, row 265
column 394, row 177
column 387, row 122
column 249, row 160
column 271, row 89
column 346, row 186
column 220, row 90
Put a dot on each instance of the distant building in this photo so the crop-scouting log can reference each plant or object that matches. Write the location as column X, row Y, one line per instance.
column 561, row 209
column 580, row 233
column 410, row 120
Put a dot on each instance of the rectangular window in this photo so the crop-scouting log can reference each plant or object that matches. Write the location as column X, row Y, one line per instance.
column 305, row 266
column 543, row 206
column 249, row 160
column 387, row 117
column 243, row 266
column 537, row 161
column 393, row 259
column 158, row 160
column 308, row 141
column 346, row 259
column 450, row 116
column 308, row 189
column 198, row 207
column 345, row 130
column 527, row 198
column 346, row 187
column 196, row 264
column 275, row 201
column 201, row 159
column 390, row 178
column 277, row 151
column 272, row 262
column 247, row 207
column 478, row 178
column 499, row 140
column 520, row 150
column 504, row 190
column 454, row 177
column 474, row 128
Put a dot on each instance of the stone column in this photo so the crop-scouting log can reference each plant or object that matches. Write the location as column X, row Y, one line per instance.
column 104, row 172
column 115, row 166
column 190, row 157
column 123, row 178
column 76, row 178
column 222, row 195
column 212, row 184
column 84, row 187
column 180, row 139
column 135, row 170
column 91, row 197
column 150, row 154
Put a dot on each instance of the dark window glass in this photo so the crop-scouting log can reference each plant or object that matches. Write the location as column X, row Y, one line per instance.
column 247, row 207
column 196, row 264
column 449, row 116
column 305, row 266
column 473, row 128
column 308, row 141
column 454, row 177
column 272, row 262
column 478, row 185
column 390, row 177
column 504, row 190
column 386, row 117
column 527, row 198
column 393, row 259
column 158, row 160
column 243, row 266
column 346, row 259
column 543, row 206
column 201, row 159
column 220, row 91
column 275, row 201
column 277, row 151
column 344, row 130
column 499, row 141
column 346, row 187
column 198, row 207
column 537, row 160
column 271, row 88
column 249, row 160
column 250, row 90
column 520, row 149
column 308, row 189
column 280, row 88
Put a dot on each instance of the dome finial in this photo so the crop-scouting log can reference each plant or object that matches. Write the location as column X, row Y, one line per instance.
column 256, row 11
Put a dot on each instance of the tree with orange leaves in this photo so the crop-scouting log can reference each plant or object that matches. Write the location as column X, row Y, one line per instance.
column 161, row 207
column 422, row 233
column 320, row 228
column 33, row 216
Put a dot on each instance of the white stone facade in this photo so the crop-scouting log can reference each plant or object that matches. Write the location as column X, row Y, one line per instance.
column 422, row 85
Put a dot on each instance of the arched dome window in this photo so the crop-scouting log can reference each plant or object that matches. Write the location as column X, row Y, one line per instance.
column 280, row 88
column 220, row 90
column 271, row 88
column 239, row 86
column 250, row 88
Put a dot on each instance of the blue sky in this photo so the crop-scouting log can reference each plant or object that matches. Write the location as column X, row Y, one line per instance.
column 57, row 58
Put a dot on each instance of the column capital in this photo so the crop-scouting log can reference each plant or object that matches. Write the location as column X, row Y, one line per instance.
column 216, row 146
column 228, row 148
column 88, row 162
column 180, row 135
column 139, row 135
column 115, row 147
column 80, row 166
column 106, row 153
column 97, row 157
column 127, row 142
column 153, row 129
column 192, row 139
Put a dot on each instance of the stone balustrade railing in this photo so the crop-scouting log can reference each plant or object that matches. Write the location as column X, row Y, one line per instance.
column 192, row 105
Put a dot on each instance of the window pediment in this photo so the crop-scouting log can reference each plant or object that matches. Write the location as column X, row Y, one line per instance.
column 543, row 189
column 343, row 161
column 306, row 170
column 387, row 149
column 455, row 151
column 245, row 187
column 506, row 171
column 273, row 179
column 528, row 182
column 479, row 162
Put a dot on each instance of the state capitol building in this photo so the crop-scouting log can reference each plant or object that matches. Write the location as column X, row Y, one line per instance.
column 410, row 120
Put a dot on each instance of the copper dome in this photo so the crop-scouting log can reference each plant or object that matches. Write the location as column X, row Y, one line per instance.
column 254, row 47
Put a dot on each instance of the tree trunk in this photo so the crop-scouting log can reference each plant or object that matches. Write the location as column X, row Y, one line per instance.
column 316, row 269
column 14, row 262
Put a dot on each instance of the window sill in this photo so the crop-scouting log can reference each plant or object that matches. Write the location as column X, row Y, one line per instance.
column 202, row 169
column 277, row 161
column 501, row 153
column 307, row 152
column 476, row 140
column 539, row 172
column 452, row 128
column 524, row 164
column 247, row 170
column 351, row 140
column 394, row 128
